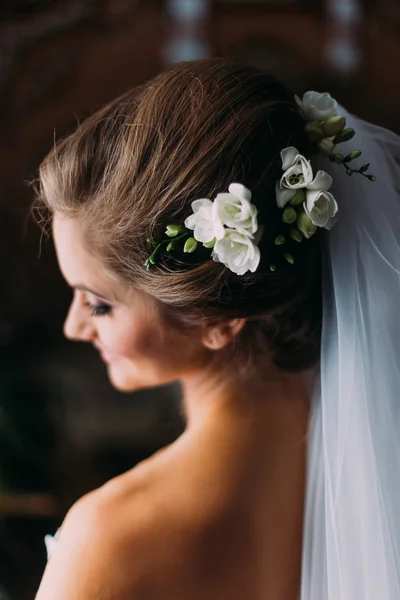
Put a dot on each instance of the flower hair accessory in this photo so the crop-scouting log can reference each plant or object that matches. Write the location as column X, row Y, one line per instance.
column 327, row 129
column 228, row 225
column 306, row 202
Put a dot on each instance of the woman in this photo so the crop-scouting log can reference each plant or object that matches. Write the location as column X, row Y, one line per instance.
column 190, row 220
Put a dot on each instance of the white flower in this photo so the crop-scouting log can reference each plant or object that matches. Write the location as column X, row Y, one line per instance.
column 297, row 174
column 321, row 181
column 237, row 251
column 320, row 206
column 316, row 106
column 234, row 210
column 201, row 221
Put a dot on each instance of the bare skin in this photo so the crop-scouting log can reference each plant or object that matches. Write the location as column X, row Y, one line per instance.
column 240, row 477
column 218, row 514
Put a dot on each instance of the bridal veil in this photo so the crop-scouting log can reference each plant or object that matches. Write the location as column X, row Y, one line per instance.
column 351, row 546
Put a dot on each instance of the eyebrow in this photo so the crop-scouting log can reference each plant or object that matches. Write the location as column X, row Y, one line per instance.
column 84, row 288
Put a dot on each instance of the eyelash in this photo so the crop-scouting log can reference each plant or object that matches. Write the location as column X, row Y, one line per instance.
column 99, row 310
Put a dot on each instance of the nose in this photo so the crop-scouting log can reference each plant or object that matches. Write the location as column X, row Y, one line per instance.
column 78, row 325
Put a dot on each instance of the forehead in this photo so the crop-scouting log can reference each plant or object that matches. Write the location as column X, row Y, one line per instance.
column 70, row 247
column 82, row 269
column 77, row 264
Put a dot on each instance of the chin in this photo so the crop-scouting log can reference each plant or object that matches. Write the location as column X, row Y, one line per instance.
column 130, row 380
column 126, row 382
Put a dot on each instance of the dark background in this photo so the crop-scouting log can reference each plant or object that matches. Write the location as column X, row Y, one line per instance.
column 63, row 430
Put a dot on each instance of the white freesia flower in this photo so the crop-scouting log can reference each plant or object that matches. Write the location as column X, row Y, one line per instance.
column 321, row 207
column 237, row 251
column 201, row 221
column 316, row 106
column 297, row 174
column 321, row 181
column 234, row 210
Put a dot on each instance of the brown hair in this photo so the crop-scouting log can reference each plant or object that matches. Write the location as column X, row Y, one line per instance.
column 138, row 163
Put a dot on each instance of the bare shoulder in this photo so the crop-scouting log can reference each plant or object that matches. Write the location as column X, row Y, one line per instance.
column 127, row 540
column 93, row 550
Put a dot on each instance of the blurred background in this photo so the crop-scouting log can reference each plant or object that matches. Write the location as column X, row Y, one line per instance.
column 63, row 430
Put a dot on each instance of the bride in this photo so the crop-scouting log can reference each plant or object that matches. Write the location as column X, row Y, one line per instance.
column 218, row 230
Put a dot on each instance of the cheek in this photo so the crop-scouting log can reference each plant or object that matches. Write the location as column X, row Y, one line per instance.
column 141, row 342
column 130, row 340
column 151, row 347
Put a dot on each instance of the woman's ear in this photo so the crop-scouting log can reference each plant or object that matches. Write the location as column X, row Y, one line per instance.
column 218, row 336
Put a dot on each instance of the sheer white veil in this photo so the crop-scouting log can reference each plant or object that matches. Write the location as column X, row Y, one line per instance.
column 351, row 546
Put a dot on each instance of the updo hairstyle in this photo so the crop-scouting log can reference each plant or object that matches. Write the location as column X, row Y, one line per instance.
column 137, row 164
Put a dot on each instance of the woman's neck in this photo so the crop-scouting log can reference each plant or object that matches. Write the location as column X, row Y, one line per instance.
column 210, row 392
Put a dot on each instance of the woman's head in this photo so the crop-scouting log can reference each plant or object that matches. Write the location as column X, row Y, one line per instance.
column 137, row 164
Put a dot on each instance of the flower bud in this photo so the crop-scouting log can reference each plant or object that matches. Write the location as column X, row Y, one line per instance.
column 279, row 240
column 305, row 225
column 333, row 126
column 289, row 215
column 209, row 244
column 314, row 131
column 371, row 177
column 344, row 136
column 352, row 155
column 365, row 167
column 272, row 268
column 298, row 198
column 173, row 230
column 326, row 146
column 337, row 158
column 170, row 246
column 289, row 258
column 190, row 245
column 296, row 235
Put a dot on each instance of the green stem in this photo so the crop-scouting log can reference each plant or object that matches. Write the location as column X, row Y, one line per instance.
column 167, row 241
column 347, row 168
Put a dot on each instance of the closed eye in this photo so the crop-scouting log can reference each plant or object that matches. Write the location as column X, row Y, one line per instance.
column 99, row 310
